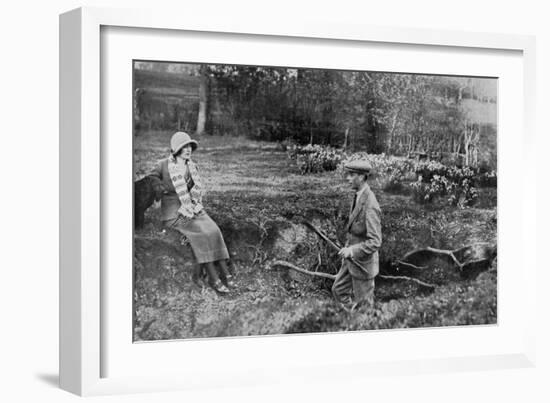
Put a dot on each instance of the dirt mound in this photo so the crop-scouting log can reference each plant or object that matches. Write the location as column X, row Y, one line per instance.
column 168, row 305
column 266, row 300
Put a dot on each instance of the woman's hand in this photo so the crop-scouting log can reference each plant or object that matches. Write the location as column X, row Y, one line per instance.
column 197, row 208
column 186, row 214
column 346, row 252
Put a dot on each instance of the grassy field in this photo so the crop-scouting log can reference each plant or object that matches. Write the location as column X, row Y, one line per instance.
column 256, row 195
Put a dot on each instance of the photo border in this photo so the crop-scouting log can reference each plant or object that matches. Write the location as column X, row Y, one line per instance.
column 81, row 308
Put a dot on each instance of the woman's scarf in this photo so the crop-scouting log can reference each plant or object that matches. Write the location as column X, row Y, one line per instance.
column 187, row 182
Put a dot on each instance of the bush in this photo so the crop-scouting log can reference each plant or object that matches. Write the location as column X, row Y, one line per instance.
column 394, row 183
column 385, row 165
column 436, row 180
column 431, row 180
column 388, row 171
column 428, row 169
column 487, row 179
column 481, row 177
column 316, row 158
column 460, row 193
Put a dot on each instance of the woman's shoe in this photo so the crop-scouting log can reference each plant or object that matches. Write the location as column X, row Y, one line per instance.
column 219, row 287
column 229, row 281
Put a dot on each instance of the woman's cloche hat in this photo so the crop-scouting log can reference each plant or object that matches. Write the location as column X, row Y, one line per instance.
column 180, row 140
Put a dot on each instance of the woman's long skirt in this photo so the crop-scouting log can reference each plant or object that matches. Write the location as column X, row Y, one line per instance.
column 204, row 236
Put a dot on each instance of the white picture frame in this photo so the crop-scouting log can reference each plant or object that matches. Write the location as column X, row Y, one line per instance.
column 83, row 342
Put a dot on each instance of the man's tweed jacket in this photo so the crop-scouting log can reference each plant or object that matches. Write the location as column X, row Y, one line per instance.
column 364, row 234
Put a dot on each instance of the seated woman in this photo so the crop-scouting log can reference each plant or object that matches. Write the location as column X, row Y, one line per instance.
column 182, row 210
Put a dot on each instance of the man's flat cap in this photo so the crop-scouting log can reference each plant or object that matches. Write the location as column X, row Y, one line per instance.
column 358, row 166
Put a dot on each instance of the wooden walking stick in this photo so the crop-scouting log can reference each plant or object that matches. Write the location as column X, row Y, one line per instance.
column 334, row 246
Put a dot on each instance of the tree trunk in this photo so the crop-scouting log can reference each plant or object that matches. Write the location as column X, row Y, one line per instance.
column 474, row 144
column 391, row 133
column 346, row 135
column 203, row 100
column 468, row 132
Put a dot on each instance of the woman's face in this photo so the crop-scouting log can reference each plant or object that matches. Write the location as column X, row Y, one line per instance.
column 185, row 153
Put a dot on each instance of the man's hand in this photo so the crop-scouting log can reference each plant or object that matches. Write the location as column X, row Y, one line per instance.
column 346, row 252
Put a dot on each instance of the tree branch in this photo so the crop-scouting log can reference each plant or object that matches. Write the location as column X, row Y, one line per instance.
column 287, row 265
column 412, row 266
column 446, row 252
column 422, row 283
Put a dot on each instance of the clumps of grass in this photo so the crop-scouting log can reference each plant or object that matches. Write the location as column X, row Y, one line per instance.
column 456, row 304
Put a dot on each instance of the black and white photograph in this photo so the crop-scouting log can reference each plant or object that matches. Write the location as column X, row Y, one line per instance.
column 280, row 202
column 275, row 200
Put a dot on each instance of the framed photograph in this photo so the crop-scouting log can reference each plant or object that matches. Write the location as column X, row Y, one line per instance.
column 244, row 203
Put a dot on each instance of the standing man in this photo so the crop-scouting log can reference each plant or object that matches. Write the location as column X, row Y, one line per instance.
column 364, row 237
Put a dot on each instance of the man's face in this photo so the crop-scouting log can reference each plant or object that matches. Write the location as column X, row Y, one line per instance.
column 355, row 180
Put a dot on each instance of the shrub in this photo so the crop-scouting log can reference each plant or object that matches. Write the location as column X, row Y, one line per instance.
column 389, row 172
column 383, row 164
column 487, row 179
column 434, row 180
column 316, row 158
column 428, row 169
column 394, row 183
column 481, row 177
column 458, row 190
